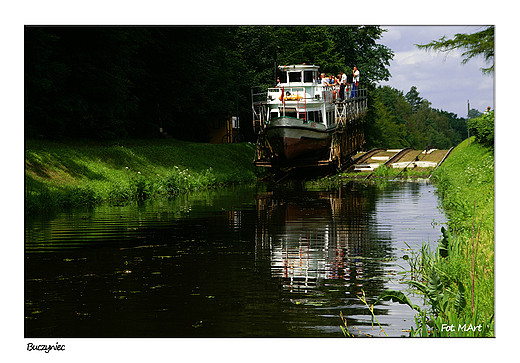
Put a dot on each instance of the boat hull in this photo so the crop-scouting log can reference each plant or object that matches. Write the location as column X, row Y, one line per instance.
column 294, row 139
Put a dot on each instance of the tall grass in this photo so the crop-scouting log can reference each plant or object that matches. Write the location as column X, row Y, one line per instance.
column 442, row 276
column 59, row 175
column 457, row 278
column 465, row 183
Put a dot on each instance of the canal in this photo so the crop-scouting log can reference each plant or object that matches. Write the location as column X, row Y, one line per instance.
column 242, row 261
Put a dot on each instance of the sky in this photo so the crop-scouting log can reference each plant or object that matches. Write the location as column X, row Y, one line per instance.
column 440, row 77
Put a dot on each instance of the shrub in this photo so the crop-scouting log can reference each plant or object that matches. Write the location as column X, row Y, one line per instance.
column 183, row 180
column 483, row 128
column 79, row 196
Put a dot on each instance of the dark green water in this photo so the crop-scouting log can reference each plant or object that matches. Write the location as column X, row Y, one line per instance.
column 234, row 262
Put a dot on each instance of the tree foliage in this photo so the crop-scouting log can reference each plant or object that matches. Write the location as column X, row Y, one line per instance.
column 483, row 128
column 397, row 120
column 481, row 43
column 357, row 45
column 117, row 82
column 412, row 97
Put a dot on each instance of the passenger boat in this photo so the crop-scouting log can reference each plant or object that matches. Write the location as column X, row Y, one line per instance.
column 297, row 120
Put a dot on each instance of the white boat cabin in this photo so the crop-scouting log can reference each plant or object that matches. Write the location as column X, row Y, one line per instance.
column 303, row 97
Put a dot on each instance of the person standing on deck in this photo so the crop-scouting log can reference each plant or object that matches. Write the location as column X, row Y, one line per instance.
column 331, row 80
column 324, row 80
column 342, row 85
column 355, row 82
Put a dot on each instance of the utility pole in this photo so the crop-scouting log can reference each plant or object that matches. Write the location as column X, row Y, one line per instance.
column 467, row 123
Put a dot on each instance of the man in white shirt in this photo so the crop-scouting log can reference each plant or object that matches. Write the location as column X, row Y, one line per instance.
column 324, row 80
column 355, row 81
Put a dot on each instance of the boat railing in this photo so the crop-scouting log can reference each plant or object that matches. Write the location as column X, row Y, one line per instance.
column 259, row 93
column 351, row 108
column 351, row 93
column 290, row 93
column 330, row 94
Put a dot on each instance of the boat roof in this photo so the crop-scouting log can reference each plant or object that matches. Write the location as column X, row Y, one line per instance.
column 299, row 67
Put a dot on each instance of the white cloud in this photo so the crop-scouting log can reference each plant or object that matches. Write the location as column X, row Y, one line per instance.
column 393, row 34
column 440, row 78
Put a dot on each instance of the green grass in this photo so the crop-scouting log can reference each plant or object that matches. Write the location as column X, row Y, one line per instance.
column 465, row 183
column 381, row 175
column 59, row 175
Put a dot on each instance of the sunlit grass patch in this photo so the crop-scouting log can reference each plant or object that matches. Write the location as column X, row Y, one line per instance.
column 86, row 173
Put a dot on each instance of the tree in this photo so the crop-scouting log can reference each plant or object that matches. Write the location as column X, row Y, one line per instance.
column 118, row 82
column 384, row 132
column 79, row 81
column 427, row 127
column 481, row 43
column 45, row 77
column 358, row 47
column 483, row 128
column 393, row 124
column 474, row 113
column 412, row 97
column 395, row 102
column 457, row 124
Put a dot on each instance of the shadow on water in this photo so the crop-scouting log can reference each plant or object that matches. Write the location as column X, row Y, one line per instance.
column 247, row 261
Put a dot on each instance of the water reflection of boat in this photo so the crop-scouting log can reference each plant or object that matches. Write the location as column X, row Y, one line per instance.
column 312, row 236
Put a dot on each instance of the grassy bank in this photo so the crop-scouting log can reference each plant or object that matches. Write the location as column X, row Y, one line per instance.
column 458, row 277
column 60, row 175
column 466, row 187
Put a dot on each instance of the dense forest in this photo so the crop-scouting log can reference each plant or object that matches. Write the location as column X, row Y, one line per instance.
column 127, row 82
column 406, row 120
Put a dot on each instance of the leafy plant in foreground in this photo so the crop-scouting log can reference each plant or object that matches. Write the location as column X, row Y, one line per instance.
column 363, row 299
column 447, row 315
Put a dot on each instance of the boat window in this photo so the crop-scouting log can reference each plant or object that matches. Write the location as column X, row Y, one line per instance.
column 315, row 116
column 307, row 76
column 274, row 114
column 330, row 118
column 295, row 76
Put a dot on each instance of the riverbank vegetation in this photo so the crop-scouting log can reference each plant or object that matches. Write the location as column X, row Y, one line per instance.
column 466, row 187
column 84, row 173
column 457, row 278
column 465, row 183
